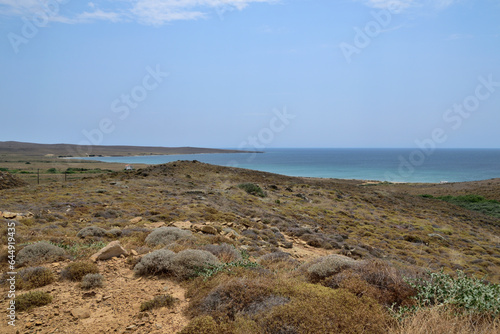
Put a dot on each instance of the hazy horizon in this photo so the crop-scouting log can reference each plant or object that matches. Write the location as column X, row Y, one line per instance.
column 252, row 74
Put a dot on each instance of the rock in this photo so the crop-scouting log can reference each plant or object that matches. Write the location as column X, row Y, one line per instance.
column 205, row 229
column 129, row 328
column 89, row 294
column 134, row 252
column 9, row 215
column 113, row 249
column 154, row 225
column 182, row 225
column 135, row 220
column 80, row 313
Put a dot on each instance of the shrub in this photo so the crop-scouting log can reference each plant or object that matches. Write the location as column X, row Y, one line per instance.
column 90, row 281
column 278, row 260
column 34, row 277
column 329, row 265
column 91, row 231
column 316, row 309
column 189, row 262
column 213, row 269
column 39, row 253
column 76, row 270
column 252, row 189
column 237, row 297
column 155, row 263
column 201, row 325
column 158, row 302
column 377, row 279
column 440, row 320
column 166, row 235
column 32, row 299
column 467, row 293
column 224, row 252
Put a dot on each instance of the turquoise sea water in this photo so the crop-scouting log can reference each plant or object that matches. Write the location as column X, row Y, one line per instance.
column 396, row 165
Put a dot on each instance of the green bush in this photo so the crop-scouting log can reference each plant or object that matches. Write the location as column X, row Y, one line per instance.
column 32, row 299
column 212, row 269
column 77, row 270
column 90, row 281
column 252, row 189
column 39, row 253
column 34, row 277
column 473, row 202
column 158, row 302
column 467, row 293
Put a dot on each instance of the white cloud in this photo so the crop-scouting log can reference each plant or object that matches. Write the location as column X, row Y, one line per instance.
column 149, row 12
column 401, row 5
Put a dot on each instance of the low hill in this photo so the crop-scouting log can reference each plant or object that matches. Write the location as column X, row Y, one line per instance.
column 67, row 150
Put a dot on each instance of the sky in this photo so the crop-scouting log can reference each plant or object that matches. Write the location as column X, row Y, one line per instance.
column 251, row 73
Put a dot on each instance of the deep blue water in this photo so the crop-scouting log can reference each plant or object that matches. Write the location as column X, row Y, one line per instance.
column 397, row 165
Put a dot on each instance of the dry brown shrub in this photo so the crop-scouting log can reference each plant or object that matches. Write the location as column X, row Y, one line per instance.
column 438, row 320
column 316, row 309
column 238, row 296
column 382, row 281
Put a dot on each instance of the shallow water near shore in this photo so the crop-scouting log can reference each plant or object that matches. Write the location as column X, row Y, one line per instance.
column 394, row 165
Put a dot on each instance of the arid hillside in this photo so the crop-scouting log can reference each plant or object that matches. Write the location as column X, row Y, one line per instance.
column 274, row 231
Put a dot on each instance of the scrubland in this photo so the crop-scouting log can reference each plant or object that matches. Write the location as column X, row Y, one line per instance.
column 251, row 252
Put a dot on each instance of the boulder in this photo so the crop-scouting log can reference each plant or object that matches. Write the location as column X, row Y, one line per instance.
column 204, row 228
column 113, row 249
column 182, row 225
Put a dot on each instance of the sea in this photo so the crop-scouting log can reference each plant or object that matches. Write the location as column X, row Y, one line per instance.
column 392, row 165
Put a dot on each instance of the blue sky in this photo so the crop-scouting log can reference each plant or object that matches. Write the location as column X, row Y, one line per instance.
column 251, row 73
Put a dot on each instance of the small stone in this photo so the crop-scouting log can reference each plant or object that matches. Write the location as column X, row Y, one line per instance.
column 9, row 215
column 89, row 294
column 38, row 323
column 80, row 313
column 135, row 220
column 134, row 252
column 129, row 328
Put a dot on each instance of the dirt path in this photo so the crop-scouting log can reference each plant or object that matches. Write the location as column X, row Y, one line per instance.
column 113, row 308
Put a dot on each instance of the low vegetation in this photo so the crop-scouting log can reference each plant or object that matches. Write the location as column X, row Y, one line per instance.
column 75, row 271
column 40, row 252
column 277, row 255
column 34, row 277
column 478, row 203
column 252, row 189
column 158, row 302
column 32, row 299
column 91, row 281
